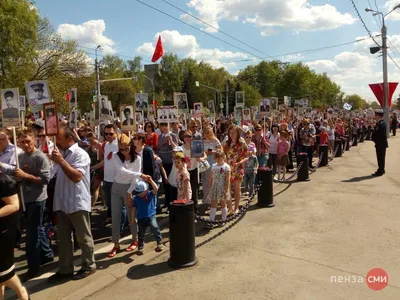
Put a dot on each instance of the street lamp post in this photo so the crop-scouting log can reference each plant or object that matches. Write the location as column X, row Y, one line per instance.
column 386, row 109
column 97, row 81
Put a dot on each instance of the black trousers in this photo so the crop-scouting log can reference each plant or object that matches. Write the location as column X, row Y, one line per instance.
column 394, row 130
column 380, row 156
column 194, row 184
column 171, row 192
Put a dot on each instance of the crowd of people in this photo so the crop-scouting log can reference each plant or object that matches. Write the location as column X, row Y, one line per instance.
column 127, row 171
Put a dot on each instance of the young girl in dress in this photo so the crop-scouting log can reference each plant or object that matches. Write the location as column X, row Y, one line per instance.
column 220, row 185
column 182, row 177
column 283, row 157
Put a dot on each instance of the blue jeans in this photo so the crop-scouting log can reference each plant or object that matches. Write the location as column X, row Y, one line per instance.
column 249, row 179
column 37, row 245
column 143, row 224
column 107, row 195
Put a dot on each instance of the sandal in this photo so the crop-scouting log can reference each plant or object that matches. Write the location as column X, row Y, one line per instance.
column 132, row 247
column 113, row 252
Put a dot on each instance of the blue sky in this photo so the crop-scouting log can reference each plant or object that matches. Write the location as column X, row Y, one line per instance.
column 275, row 27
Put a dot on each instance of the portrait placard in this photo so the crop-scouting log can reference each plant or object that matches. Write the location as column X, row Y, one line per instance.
column 38, row 94
column 167, row 114
column 142, row 101
column 274, row 103
column 238, row 113
column 126, row 112
column 196, row 148
column 10, row 106
column 73, row 98
column 50, row 118
column 104, row 107
column 211, row 107
column 239, row 98
column 198, row 109
column 139, row 117
column 246, row 116
column 22, row 103
column 73, row 119
column 180, row 101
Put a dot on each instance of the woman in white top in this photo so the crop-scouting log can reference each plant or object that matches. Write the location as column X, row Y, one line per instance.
column 273, row 138
column 128, row 165
column 330, row 130
column 192, row 166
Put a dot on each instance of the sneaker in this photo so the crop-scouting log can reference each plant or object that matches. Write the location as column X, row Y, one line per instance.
column 160, row 247
column 209, row 226
column 140, row 250
column 82, row 274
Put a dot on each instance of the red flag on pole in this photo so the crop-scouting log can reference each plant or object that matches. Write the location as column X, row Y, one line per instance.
column 67, row 97
column 159, row 51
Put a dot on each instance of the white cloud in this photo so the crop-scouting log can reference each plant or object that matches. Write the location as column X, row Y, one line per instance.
column 89, row 34
column 389, row 5
column 298, row 15
column 187, row 46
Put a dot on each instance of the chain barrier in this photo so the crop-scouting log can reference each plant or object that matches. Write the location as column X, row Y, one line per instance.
column 318, row 163
column 335, row 153
column 291, row 176
column 242, row 210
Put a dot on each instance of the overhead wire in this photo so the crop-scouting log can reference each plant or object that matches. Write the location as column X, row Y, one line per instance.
column 198, row 29
column 215, row 28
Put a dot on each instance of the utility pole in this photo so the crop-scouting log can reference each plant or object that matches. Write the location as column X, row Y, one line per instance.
column 386, row 108
column 227, row 97
column 385, row 79
column 97, row 87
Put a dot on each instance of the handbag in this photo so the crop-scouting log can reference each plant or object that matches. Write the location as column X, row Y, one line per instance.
column 203, row 166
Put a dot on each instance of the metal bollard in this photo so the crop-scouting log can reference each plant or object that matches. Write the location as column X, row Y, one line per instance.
column 182, row 235
column 362, row 136
column 265, row 193
column 303, row 174
column 338, row 145
column 323, row 149
column 355, row 139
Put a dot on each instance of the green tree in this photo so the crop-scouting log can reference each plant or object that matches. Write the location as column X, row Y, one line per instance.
column 375, row 105
column 355, row 101
column 170, row 78
column 18, row 36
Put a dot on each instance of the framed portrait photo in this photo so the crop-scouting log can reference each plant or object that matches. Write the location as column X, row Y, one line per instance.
column 139, row 117
column 239, row 98
column 126, row 115
column 180, row 101
column 246, row 115
column 198, row 109
column 38, row 94
column 211, row 107
column 104, row 106
column 50, row 118
column 73, row 119
column 10, row 106
column 73, row 98
column 196, row 148
column 142, row 101
column 22, row 103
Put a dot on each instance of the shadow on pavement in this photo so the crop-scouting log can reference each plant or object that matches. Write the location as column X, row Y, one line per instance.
column 358, row 179
column 146, row 271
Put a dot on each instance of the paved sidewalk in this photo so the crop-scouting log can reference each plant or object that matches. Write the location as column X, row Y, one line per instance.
column 341, row 223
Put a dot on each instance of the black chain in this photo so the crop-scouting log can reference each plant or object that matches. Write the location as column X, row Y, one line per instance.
column 334, row 154
column 291, row 176
column 318, row 163
column 234, row 216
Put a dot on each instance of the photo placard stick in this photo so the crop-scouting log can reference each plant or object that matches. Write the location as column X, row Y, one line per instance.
column 14, row 132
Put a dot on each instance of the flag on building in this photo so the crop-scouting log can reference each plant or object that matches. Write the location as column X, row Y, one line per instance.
column 159, row 51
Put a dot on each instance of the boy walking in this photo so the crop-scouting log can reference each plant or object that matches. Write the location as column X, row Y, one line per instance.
column 144, row 209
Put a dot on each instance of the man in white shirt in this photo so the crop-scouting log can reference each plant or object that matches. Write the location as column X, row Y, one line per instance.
column 110, row 147
column 72, row 202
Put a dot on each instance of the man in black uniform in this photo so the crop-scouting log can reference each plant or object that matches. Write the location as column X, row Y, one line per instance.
column 379, row 137
column 395, row 123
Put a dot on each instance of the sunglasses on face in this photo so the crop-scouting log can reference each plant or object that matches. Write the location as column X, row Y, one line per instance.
column 187, row 136
column 258, row 129
column 41, row 135
column 124, row 149
column 109, row 133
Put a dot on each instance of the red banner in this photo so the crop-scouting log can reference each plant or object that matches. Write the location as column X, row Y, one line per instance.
column 377, row 89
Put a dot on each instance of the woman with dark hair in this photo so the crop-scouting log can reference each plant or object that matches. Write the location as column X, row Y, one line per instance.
column 151, row 138
column 146, row 153
column 9, row 218
column 235, row 149
column 273, row 139
column 128, row 165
